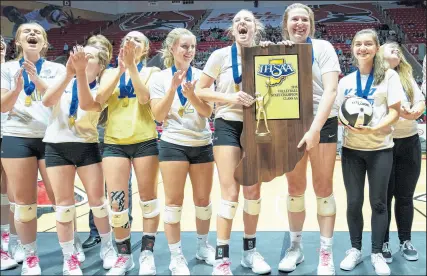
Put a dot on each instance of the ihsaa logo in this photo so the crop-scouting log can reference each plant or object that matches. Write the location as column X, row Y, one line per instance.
column 277, row 69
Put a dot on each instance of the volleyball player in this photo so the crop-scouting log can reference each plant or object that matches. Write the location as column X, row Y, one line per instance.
column 7, row 262
column 224, row 67
column 23, row 83
column 185, row 147
column 131, row 139
column 406, row 154
column 320, row 142
column 72, row 146
column 369, row 149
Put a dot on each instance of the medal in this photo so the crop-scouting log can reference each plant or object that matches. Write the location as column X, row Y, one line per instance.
column 236, row 88
column 125, row 102
column 71, row 121
column 28, row 101
column 181, row 111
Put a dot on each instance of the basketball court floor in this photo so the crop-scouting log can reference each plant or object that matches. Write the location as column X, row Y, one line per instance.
column 272, row 236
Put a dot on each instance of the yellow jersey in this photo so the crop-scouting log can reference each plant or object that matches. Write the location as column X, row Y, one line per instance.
column 131, row 124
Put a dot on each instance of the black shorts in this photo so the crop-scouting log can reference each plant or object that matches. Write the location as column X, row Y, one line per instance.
column 75, row 154
column 147, row 148
column 19, row 147
column 194, row 155
column 329, row 131
column 227, row 133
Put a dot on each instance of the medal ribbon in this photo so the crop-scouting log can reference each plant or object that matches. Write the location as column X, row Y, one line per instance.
column 182, row 99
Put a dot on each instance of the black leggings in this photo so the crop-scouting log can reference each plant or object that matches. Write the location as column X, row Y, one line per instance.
column 377, row 164
column 403, row 180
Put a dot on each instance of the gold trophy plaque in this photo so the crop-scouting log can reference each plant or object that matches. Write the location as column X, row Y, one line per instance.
column 279, row 78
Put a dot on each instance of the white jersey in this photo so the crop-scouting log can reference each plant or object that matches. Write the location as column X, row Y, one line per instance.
column 3, row 121
column 31, row 121
column 325, row 61
column 407, row 128
column 85, row 127
column 191, row 129
column 387, row 93
column 219, row 68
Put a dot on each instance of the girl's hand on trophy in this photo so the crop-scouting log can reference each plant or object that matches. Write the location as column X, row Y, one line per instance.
column 311, row 139
column 264, row 44
column 242, row 98
column 286, row 43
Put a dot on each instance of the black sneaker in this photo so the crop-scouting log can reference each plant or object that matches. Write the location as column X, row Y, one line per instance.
column 387, row 254
column 408, row 251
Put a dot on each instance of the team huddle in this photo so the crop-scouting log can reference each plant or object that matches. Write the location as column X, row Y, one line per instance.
column 50, row 119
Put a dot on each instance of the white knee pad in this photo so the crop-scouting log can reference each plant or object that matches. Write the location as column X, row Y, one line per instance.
column 4, row 200
column 12, row 206
column 150, row 209
column 101, row 211
column 204, row 213
column 25, row 213
column 252, row 207
column 296, row 204
column 119, row 219
column 172, row 214
column 227, row 209
column 65, row 213
column 326, row 206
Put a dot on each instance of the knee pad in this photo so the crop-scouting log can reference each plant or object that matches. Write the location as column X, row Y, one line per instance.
column 252, row 207
column 12, row 206
column 65, row 213
column 120, row 219
column 326, row 206
column 101, row 211
column 172, row 214
column 4, row 200
column 227, row 209
column 296, row 204
column 204, row 213
column 25, row 213
column 150, row 209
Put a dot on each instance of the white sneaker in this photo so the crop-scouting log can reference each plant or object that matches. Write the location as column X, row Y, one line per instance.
column 326, row 262
column 380, row 265
column 178, row 265
column 146, row 263
column 71, row 266
column 4, row 241
column 17, row 252
column 79, row 250
column 124, row 263
column 7, row 262
column 293, row 257
column 108, row 255
column 31, row 266
column 353, row 257
column 222, row 267
column 255, row 261
column 206, row 253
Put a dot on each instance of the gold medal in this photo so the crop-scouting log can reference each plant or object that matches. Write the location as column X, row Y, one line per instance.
column 28, row 101
column 181, row 111
column 71, row 121
column 236, row 88
column 125, row 102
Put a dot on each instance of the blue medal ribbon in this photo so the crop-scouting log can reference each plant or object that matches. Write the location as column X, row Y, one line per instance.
column 365, row 92
column 182, row 99
column 235, row 65
column 75, row 97
column 126, row 90
column 29, row 86
column 312, row 49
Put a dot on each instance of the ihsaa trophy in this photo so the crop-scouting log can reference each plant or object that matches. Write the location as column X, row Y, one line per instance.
column 280, row 79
